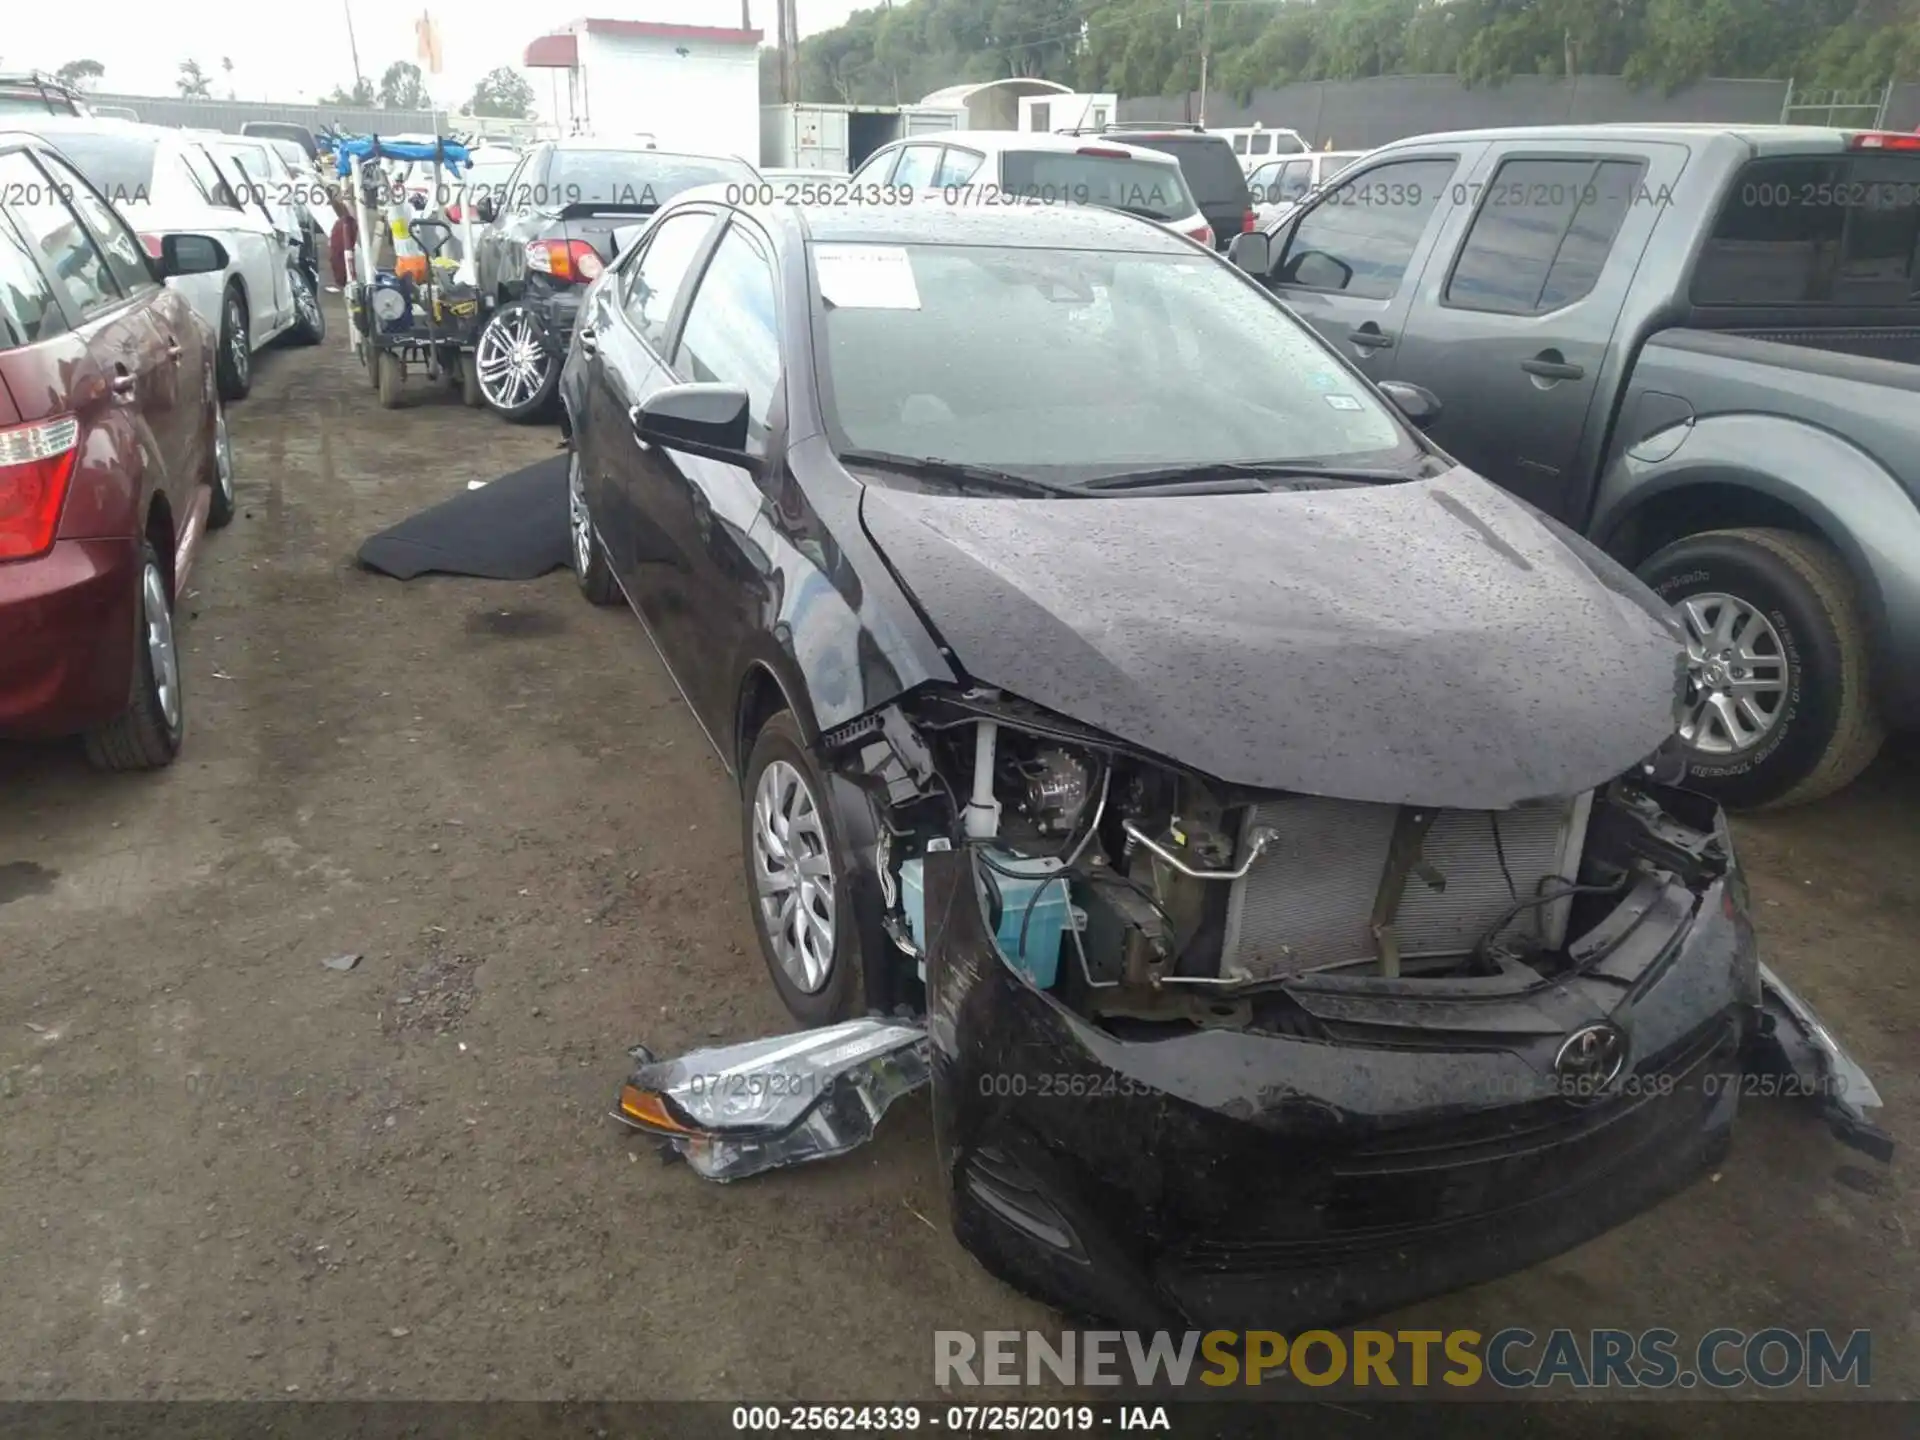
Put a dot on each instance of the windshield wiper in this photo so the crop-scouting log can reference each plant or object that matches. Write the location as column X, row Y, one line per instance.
column 1246, row 469
column 957, row 472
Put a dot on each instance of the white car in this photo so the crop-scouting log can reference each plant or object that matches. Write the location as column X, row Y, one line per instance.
column 1280, row 185
column 972, row 167
column 167, row 182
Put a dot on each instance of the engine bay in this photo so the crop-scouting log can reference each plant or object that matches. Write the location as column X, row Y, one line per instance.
column 1134, row 891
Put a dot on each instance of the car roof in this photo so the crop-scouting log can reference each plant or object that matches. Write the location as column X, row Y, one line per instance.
column 1758, row 137
column 1034, row 225
column 998, row 142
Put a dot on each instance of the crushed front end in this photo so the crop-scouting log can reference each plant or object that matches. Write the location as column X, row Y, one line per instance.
column 1213, row 1057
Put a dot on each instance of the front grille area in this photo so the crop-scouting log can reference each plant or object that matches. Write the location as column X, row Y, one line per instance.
column 1309, row 900
column 1422, row 1182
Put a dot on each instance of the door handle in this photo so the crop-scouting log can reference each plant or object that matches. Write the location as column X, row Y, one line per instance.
column 1370, row 339
column 589, row 342
column 173, row 352
column 123, row 385
column 1551, row 367
column 633, row 423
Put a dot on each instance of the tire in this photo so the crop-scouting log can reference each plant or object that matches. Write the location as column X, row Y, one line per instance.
column 470, row 383
column 234, row 369
column 220, row 509
column 589, row 560
column 310, row 316
column 513, row 390
column 145, row 736
column 840, row 992
column 390, row 375
column 1823, row 728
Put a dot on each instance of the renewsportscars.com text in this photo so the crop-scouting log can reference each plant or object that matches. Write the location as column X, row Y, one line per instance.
column 1510, row 1359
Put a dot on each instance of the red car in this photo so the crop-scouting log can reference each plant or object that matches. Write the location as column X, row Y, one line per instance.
column 113, row 463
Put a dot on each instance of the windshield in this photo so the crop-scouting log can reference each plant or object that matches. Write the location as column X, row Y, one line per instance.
column 1072, row 365
column 638, row 178
column 118, row 166
column 1075, row 177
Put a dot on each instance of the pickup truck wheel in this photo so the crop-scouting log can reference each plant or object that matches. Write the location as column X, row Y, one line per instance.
column 1780, row 709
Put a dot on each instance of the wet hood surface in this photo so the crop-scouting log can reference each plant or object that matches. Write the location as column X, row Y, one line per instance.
column 1425, row 643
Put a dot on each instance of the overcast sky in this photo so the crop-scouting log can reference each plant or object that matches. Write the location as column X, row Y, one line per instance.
column 300, row 51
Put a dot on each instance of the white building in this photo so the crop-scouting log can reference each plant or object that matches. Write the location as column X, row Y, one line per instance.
column 996, row 104
column 686, row 87
column 1075, row 111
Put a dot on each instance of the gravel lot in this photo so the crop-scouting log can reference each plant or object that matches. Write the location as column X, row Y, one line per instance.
column 232, row 1171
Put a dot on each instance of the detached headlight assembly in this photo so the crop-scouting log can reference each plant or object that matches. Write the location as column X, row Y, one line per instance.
column 736, row 1110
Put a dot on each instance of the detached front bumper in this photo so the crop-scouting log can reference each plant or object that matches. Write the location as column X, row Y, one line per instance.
column 1390, row 1150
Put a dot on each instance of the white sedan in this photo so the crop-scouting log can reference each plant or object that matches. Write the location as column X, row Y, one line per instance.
column 167, row 182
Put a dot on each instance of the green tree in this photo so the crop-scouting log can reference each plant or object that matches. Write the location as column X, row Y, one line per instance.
column 193, row 83
column 402, row 87
column 361, row 94
column 504, row 93
column 80, row 74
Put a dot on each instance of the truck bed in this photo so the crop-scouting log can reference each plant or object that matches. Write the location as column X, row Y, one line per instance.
column 1897, row 343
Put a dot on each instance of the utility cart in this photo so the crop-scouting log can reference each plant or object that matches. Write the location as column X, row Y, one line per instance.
column 414, row 307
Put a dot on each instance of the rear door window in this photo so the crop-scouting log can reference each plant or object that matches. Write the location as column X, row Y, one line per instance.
column 108, row 231
column 27, row 305
column 1296, row 178
column 654, row 281
column 918, row 163
column 1361, row 236
column 1542, row 233
column 957, row 167
column 50, row 225
column 1816, row 230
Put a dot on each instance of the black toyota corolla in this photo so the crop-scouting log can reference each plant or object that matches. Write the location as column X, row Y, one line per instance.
column 1270, row 821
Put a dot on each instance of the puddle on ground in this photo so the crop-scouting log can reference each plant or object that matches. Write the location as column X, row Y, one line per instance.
column 514, row 624
column 20, row 878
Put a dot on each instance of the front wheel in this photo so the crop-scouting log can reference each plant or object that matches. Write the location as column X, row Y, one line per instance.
column 234, row 368
column 798, row 879
column 309, row 318
column 390, row 375
column 220, row 511
column 147, row 734
column 1779, row 706
column 519, row 375
column 590, row 568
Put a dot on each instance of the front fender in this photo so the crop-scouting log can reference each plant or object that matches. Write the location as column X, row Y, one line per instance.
column 1844, row 493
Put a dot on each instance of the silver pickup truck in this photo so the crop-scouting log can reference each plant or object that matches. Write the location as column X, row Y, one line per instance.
column 1699, row 346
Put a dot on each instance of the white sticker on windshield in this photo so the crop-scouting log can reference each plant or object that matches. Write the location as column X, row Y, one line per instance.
column 1342, row 402
column 866, row 277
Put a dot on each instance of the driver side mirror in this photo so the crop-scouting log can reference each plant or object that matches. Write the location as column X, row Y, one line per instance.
column 1419, row 405
column 707, row 420
column 190, row 255
column 1252, row 251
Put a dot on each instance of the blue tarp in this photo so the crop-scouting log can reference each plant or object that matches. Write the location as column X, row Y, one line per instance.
column 450, row 153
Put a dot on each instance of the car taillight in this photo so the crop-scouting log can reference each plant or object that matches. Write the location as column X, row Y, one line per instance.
column 152, row 245
column 1204, row 234
column 453, row 212
column 1248, row 221
column 36, row 462
column 1884, row 140
column 566, row 261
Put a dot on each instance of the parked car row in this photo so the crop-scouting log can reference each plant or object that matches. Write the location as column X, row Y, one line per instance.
column 114, row 457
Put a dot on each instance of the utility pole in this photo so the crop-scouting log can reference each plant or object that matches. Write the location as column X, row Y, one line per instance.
column 792, row 17
column 1206, row 38
column 352, row 45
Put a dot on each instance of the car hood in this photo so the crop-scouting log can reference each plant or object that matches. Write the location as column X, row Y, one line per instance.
column 1430, row 643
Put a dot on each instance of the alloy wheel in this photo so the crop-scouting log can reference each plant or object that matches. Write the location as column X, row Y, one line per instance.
column 579, row 521
column 222, row 454
column 793, row 876
column 1736, row 674
column 161, row 653
column 305, row 303
column 238, row 349
column 511, row 360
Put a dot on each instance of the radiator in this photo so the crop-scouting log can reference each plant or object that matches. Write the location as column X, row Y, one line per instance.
column 1308, row 901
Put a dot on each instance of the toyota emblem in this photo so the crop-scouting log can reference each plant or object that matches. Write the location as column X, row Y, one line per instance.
column 1590, row 1061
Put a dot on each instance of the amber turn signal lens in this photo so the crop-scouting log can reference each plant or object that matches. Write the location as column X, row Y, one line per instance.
column 643, row 1107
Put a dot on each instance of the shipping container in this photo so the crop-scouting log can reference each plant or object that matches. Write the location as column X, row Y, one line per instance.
column 838, row 138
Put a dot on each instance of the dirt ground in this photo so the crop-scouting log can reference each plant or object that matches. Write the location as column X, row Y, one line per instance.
column 231, row 1171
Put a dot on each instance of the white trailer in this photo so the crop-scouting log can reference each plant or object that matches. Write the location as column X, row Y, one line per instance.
column 837, row 138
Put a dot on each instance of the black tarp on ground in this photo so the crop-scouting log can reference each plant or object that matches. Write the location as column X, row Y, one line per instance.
column 514, row 528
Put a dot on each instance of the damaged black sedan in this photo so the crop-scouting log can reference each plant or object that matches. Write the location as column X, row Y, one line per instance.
column 1260, row 829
